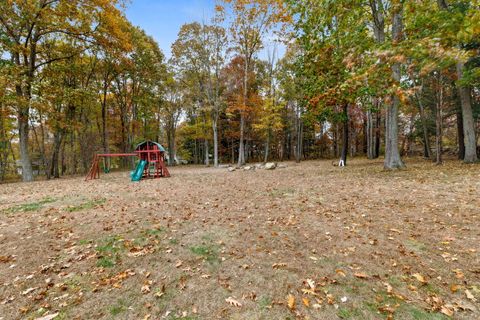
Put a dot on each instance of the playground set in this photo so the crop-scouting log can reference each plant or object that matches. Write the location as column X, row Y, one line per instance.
column 151, row 165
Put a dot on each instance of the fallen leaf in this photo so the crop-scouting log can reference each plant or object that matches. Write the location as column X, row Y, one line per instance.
column 24, row 293
column 361, row 275
column 279, row 265
column 6, row 259
column 446, row 311
column 458, row 273
column 470, row 296
column 48, row 317
column 340, row 272
column 420, row 278
column 306, row 302
column 291, row 302
column 389, row 287
column 330, row 299
column 454, row 288
column 311, row 283
column 233, row 302
column 145, row 289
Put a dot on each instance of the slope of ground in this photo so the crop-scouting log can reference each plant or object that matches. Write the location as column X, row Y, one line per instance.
column 310, row 241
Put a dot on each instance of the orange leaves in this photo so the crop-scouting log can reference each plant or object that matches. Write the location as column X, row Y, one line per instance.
column 116, row 280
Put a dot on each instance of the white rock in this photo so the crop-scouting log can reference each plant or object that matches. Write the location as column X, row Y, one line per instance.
column 231, row 169
column 270, row 165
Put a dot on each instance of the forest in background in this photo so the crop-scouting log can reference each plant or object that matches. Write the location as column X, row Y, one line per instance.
column 373, row 78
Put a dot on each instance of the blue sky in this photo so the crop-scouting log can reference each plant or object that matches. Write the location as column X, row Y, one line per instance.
column 162, row 19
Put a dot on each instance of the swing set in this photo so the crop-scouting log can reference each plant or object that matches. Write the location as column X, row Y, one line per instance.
column 151, row 165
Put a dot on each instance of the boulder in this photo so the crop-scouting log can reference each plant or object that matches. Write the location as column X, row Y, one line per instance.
column 247, row 168
column 231, row 169
column 259, row 166
column 270, row 165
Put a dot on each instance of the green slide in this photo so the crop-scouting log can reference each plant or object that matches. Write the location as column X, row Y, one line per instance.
column 138, row 173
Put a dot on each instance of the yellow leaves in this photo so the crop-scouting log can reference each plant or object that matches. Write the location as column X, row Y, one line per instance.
column 231, row 301
column 340, row 272
column 306, row 302
column 420, row 278
column 291, row 302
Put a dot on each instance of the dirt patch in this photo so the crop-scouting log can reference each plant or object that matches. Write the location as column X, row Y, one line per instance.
column 309, row 241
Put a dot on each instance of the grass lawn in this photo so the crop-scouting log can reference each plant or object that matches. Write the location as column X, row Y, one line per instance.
column 310, row 241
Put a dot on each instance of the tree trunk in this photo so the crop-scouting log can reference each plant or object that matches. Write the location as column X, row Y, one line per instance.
column 54, row 167
column 267, row 146
column 215, row 140
column 426, row 138
column 392, row 155
column 299, row 144
column 438, row 126
column 207, row 155
column 27, row 170
column 343, row 157
column 470, row 142
column 241, row 147
column 171, row 145
column 378, row 116
column 371, row 122
column 467, row 117
column 461, row 136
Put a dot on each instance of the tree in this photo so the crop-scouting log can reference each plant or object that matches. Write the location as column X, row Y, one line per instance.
column 199, row 54
column 30, row 29
column 251, row 21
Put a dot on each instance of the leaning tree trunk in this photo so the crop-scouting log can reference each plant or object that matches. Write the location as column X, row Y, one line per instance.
column 467, row 117
column 392, row 155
